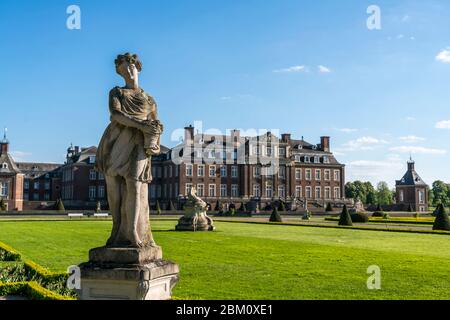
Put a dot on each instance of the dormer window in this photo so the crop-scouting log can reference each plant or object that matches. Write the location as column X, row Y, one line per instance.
column 300, row 147
column 316, row 159
column 314, row 147
column 326, row 159
column 307, row 159
column 297, row 158
column 91, row 159
column 4, row 165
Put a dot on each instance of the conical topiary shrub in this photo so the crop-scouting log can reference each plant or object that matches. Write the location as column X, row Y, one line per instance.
column 172, row 206
column 2, row 205
column 158, row 208
column 281, row 206
column 275, row 216
column 329, row 208
column 442, row 221
column 217, row 207
column 345, row 219
column 59, row 205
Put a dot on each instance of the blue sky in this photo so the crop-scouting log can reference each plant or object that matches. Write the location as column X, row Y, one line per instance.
column 307, row 67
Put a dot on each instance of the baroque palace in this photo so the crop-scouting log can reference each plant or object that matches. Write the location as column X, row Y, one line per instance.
column 225, row 170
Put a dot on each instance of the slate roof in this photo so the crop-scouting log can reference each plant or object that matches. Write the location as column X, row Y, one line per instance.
column 411, row 178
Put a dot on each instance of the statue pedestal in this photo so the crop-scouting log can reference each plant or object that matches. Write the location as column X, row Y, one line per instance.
column 127, row 274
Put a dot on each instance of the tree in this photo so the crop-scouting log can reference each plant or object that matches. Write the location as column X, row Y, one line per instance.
column 345, row 219
column 281, row 206
column 275, row 216
column 430, row 197
column 158, row 208
column 371, row 194
column 440, row 192
column 442, row 221
column 384, row 194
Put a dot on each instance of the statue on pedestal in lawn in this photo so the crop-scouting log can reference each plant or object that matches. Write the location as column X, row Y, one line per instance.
column 196, row 218
column 124, row 157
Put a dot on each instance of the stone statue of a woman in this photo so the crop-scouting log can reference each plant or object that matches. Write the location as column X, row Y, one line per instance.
column 124, row 156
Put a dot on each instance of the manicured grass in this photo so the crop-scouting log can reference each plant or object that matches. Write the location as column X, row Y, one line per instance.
column 251, row 261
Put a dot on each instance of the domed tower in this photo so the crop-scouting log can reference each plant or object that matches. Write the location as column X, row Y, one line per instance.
column 412, row 190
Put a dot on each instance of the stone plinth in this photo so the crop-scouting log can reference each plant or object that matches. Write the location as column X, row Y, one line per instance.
column 127, row 274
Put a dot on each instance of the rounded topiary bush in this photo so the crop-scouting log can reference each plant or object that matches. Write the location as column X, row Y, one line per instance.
column 442, row 221
column 345, row 218
column 359, row 217
column 275, row 216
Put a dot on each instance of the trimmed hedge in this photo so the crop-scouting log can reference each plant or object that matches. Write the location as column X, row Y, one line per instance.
column 8, row 254
column 31, row 290
column 359, row 217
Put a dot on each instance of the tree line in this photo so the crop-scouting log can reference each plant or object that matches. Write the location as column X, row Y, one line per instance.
column 368, row 194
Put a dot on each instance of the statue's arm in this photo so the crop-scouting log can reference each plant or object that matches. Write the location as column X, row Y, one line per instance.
column 119, row 116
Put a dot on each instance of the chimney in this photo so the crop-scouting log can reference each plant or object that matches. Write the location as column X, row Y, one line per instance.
column 77, row 149
column 189, row 134
column 325, row 143
column 235, row 135
column 286, row 137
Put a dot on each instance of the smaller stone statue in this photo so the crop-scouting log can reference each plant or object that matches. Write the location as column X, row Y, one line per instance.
column 358, row 208
column 196, row 218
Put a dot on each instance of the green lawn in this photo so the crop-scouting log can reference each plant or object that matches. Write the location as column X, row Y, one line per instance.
column 251, row 261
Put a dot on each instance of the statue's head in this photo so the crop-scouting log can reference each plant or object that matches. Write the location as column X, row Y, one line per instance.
column 128, row 65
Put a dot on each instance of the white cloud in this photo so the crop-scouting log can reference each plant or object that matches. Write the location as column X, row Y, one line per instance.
column 418, row 150
column 444, row 55
column 387, row 170
column 225, row 98
column 364, row 143
column 292, row 69
column 410, row 119
column 20, row 155
column 400, row 36
column 445, row 124
column 346, row 130
column 323, row 69
column 411, row 139
column 405, row 18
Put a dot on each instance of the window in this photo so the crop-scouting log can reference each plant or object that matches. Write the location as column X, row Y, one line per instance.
column 26, row 196
column 92, row 175
column 212, row 171
column 256, row 150
column 201, row 170
column 223, row 190
column 234, row 190
column 281, row 191
column 308, row 194
column 158, row 191
column 200, row 190
column 35, row 196
column 327, row 193
column 170, row 171
column 101, row 176
column 269, row 151
column 318, row 175
column 282, row 152
column 298, row 174
column 298, row 158
column 269, row 191
column 257, row 171
column 159, row 172
column 92, row 192
column 91, row 159
column 4, row 165
column 401, row 196
column 327, row 175
column 212, row 190
column 337, row 193
column 188, row 188
column 234, row 172
column 101, row 192
column 36, row 185
column 152, row 191
column 316, row 159
column 336, row 175
column 26, row 185
column 235, row 155
column 307, row 159
column 421, row 197
column 326, row 159
column 47, row 185
column 256, row 190
column 298, row 191
column 4, row 189
column 308, row 174
column 166, row 172
column 318, row 193
column 223, row 171
column 189, row 171
column 47, row 196
column 281, row 172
